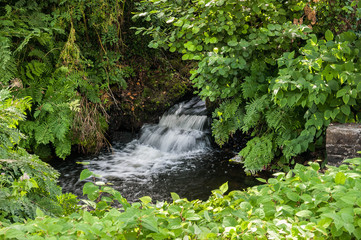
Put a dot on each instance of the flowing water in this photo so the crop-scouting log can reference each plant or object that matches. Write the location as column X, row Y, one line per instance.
column 174, row 155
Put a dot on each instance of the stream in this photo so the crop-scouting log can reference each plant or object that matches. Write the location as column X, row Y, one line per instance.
column 174, row 155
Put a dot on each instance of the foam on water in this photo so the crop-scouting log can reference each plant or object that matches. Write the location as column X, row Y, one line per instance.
column 182, row 133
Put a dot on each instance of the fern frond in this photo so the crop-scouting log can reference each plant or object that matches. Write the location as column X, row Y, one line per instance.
column 258, row 153
column 37, row 53
column 28, row 37
column 8, row 68
column 249, row 89
column 254, row 112
column 227, row 119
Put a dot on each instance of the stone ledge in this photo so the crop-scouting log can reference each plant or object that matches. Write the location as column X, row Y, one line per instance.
column 342, row 141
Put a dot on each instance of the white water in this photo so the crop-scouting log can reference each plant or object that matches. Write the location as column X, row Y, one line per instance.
column 182, row 133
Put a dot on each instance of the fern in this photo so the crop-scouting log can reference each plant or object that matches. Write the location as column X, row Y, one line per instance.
column 254, row 112
column 26, row 183
column 26, row 40
column 8, row 68
column 249, row 89
column 11, row 112
column 5, row 53
column 35, row 69
column 224, row 123
column 40, row 53
column 258, row 153
column 51, row 125
column 44, row 196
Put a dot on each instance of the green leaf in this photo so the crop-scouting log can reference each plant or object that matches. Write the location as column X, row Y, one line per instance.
column 39, row 213
column 232, row 43
column 335, row 113
column 101, row 205
column 349, row 199
column 229, row 222
column 260, row 213
column 14, row 234
column 327, row 114
column 87, row 217
column 90, row 189
column 293, row 196
column 291, row 55
column 340, row 178
column 245, row 206
column 315, row 166
column 185, row 56
column 83, row 163
column 145, row 199
column 357, row 233
column 224, row 187
column 195, row 30
column 329, row 35
column 206, row 216
column 174, row 223
column 304, row 213
column 346, row 109
column 262, row 180
column 213, row 40
column 271, row 27
column 174, row 196
column 341, row 92
column 324, row 222
column 150, row 223
column 349, row 227
column 346, row 98
column 178, row 23
column 85, row 174
column 349, row 66
column 191, row 216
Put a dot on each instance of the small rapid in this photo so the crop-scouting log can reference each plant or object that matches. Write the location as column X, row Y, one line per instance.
column 174, row 155
column 182, row 133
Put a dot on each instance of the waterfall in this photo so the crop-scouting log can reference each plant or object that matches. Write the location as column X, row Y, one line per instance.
column 171, row 156
column 183, row 128
column 182, row 132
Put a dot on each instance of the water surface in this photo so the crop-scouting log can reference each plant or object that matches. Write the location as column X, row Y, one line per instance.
column 172, row 156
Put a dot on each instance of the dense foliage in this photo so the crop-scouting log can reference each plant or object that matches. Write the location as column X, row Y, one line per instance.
column 26, row 183
column 249, row 57
column 302, row 204
column 74, row 60
column 41, row 58
column 280, row 70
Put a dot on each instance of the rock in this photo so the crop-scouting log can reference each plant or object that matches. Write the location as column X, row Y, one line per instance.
column 343, row 141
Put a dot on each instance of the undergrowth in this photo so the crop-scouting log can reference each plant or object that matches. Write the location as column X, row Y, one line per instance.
column 305, row 203
column 26, row 183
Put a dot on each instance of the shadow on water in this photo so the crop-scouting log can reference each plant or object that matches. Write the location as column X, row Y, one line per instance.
column 172, row 156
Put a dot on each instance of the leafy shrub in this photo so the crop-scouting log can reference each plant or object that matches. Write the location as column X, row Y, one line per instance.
column 302, row 204
column 323, row 82
column 11, row 112
column 241, row 49
column 26, row 183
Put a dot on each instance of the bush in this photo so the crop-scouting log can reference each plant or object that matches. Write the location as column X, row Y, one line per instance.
column 302, row 204
column 249, row 54
column 26, row 183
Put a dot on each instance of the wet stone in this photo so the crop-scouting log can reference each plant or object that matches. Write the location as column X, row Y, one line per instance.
column 343, row 141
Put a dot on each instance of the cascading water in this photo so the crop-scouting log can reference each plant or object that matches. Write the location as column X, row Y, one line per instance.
column 182, row 129
column 174, row 155
column 180, row 134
